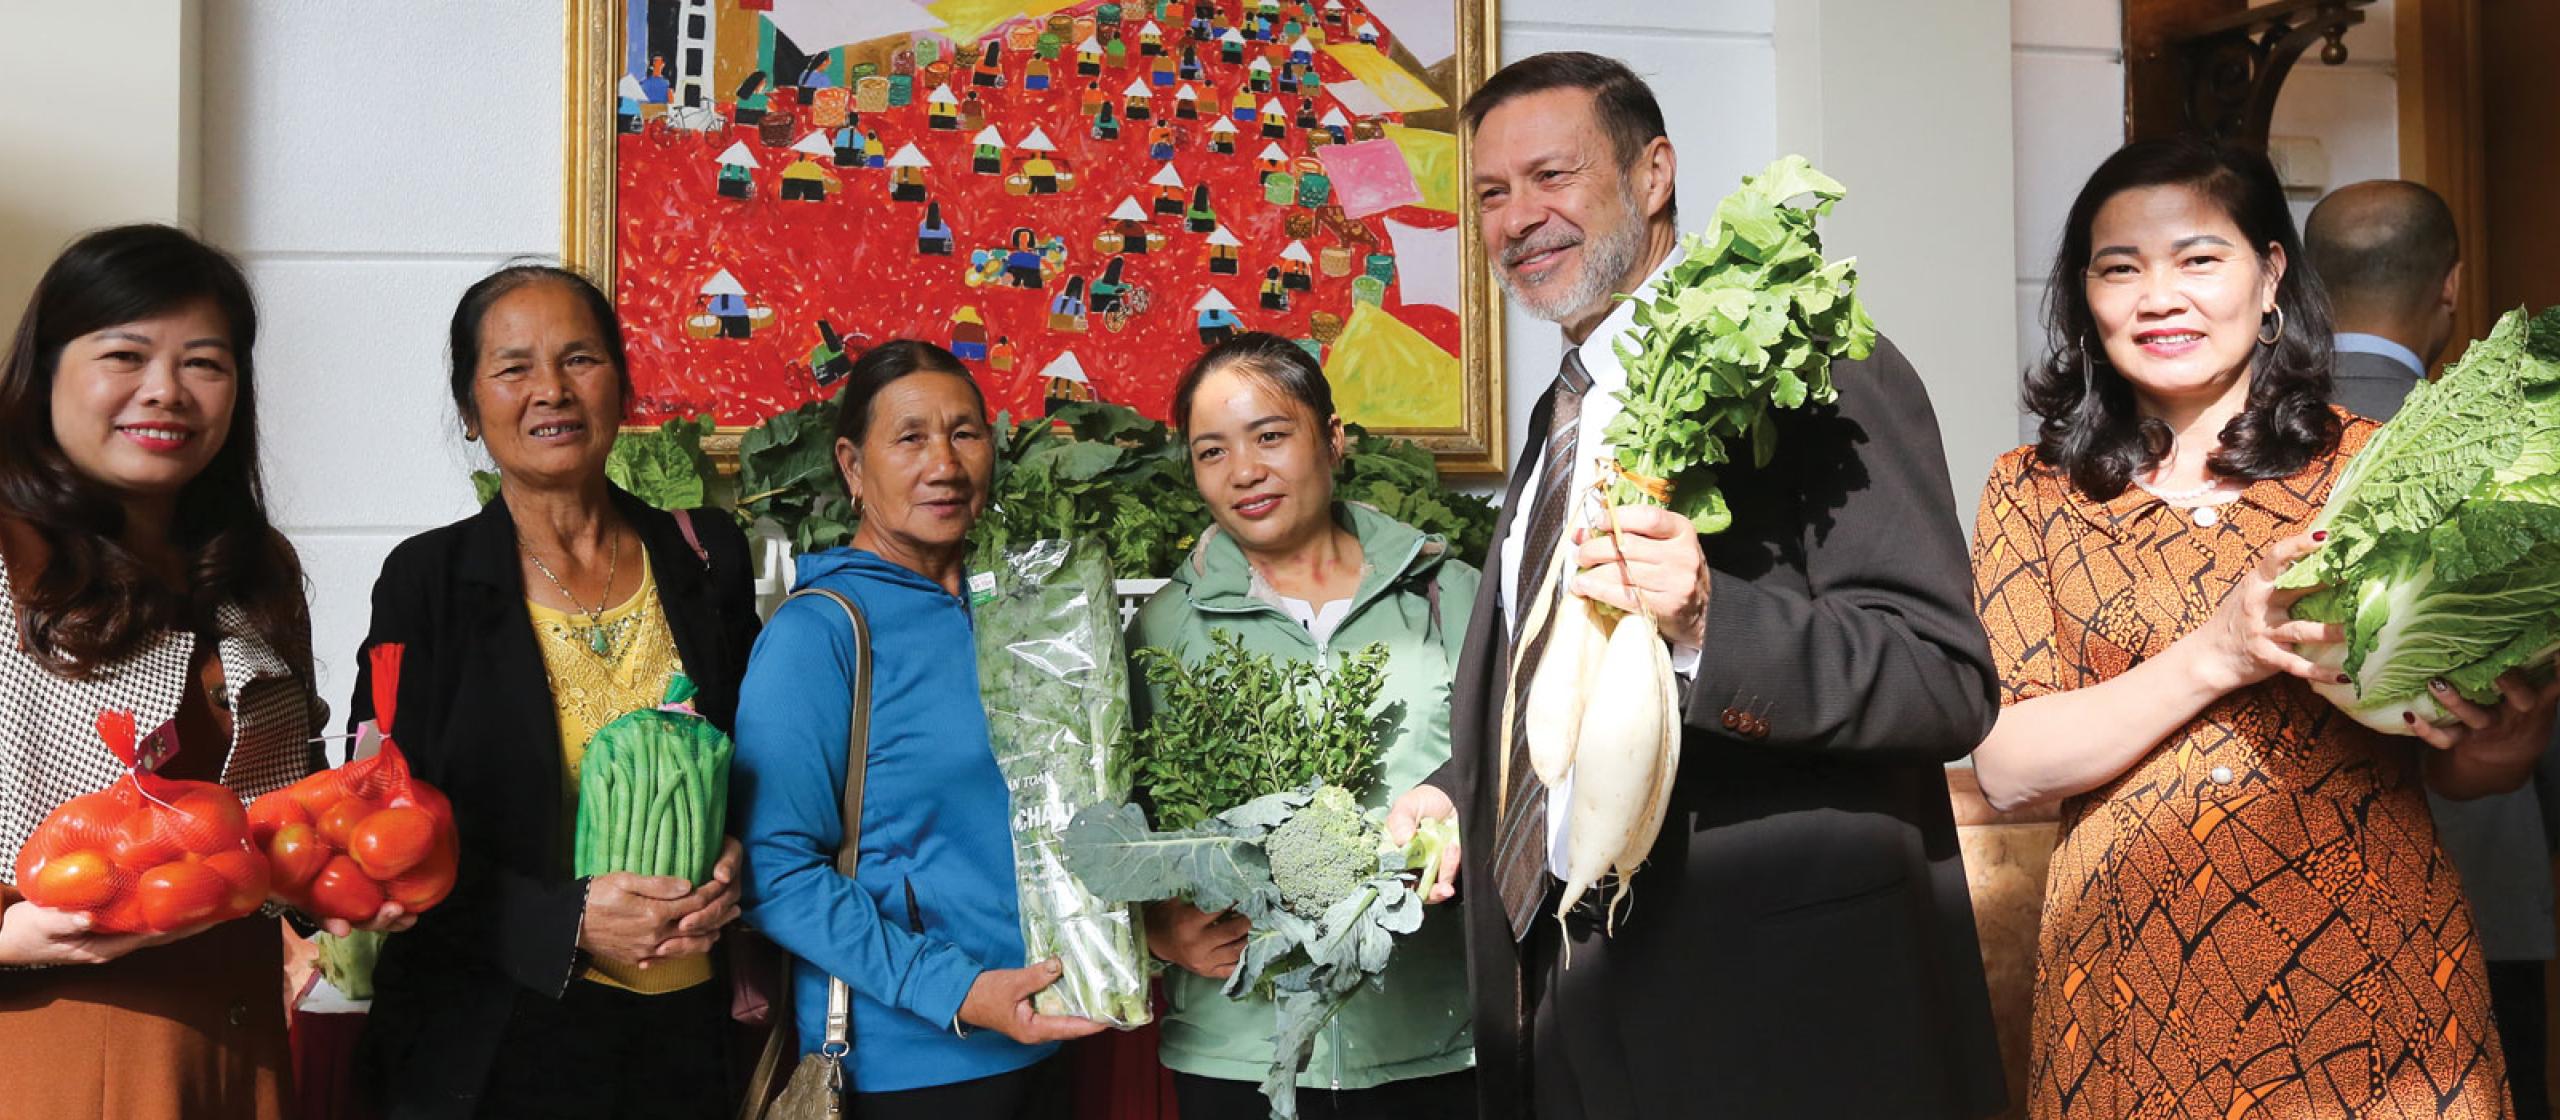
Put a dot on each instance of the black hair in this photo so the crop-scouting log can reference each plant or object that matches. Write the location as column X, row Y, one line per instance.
column 1266, row 357
column 2382, row 246
column 884, row 364
column 95, row 603
column 1622, row 101
column 2091, row 430
column 463, row 336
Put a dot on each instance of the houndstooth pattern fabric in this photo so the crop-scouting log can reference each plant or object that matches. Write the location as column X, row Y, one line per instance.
column 49, row 748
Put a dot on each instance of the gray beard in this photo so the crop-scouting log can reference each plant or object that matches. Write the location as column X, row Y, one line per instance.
column 1605, row 260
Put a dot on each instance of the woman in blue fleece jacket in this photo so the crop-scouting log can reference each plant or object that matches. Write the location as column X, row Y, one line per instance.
column 927, row 934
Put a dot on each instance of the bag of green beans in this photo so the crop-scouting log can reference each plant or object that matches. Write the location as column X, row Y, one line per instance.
column 653, row 792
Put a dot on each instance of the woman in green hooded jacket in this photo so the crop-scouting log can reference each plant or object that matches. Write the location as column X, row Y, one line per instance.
column 1297, row 575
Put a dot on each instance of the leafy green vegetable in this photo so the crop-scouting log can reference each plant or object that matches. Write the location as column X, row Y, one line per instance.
column 787, row 473
column 1398, row 478
column 1097, row 470
column 1309, row 951
column 1240, row 725
column 665, row 466
column 1746, row 323
column 2443, row 556
column 1056, row 688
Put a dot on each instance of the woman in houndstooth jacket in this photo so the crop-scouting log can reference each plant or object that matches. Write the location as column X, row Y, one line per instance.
column 142, row 574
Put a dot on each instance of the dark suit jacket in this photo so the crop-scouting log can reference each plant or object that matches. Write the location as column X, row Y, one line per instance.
column 1802, row 941
column 476, row 720
column 2371, row 385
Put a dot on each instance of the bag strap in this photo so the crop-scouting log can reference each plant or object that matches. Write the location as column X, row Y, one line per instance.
column 684, row 523
column 839, row 1021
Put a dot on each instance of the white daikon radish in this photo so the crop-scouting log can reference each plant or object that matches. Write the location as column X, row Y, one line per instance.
column 1617, row 756
column 1567, row 670
column 1658, row 797
column 1571, row 659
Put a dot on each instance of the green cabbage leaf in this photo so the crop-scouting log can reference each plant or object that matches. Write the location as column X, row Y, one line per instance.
column 2443, row 557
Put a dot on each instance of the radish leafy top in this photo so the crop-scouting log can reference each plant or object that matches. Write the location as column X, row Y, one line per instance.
column 1747, row 322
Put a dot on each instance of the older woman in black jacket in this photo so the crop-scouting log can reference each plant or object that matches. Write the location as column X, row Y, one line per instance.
column 563, row 604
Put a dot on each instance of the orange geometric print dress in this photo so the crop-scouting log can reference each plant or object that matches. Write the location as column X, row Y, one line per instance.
column 2255, row 921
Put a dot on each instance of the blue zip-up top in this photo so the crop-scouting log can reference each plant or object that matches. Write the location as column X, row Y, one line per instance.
column 934, row 902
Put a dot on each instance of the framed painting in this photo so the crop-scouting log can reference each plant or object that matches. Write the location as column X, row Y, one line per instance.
column 1074, row 196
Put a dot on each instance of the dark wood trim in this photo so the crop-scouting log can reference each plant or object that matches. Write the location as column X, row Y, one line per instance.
column 2438, row 56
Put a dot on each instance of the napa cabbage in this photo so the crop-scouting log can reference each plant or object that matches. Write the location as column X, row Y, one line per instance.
column 2443, row 556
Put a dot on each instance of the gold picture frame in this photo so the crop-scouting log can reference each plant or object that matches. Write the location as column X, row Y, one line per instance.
column 594, row 63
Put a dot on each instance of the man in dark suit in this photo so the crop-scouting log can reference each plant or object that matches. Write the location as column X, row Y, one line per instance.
column 2388, row 253
column 2391, row 259
column 1801, row 943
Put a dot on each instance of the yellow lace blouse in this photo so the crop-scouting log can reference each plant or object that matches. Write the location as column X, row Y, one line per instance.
column 590, row 690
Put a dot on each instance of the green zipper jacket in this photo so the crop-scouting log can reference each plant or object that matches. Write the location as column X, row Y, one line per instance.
column 1415, row 1024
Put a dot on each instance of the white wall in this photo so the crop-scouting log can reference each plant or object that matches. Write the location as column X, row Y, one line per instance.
column 2066, row 64
column 1908, row 106
column 83, row 152
column 2352, row 109
column 364, row 187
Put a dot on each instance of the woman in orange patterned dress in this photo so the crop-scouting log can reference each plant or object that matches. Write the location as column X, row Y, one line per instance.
column 2247, row 914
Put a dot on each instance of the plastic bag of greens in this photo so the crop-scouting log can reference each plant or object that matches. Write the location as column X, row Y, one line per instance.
column 1056, row 688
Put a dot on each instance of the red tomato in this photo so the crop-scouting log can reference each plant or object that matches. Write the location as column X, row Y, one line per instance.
column 207, row 820
column 429, row 882
column 392, row 841
column 270, row 814
column 85, row 823
column 124, row 915
column 342, row 891
column 339, row 821
column 143, row 841
column 72, row 881
column 295, row 854
column 180, row 894
column 247, row 877
column 315, row 794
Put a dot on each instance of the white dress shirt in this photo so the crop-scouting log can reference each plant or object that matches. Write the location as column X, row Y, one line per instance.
column 1599, row 408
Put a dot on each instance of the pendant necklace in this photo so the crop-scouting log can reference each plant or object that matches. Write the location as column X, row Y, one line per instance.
column 599, row 636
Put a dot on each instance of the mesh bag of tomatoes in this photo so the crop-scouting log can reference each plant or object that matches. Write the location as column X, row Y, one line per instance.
column 342, row 842
column 147, row 854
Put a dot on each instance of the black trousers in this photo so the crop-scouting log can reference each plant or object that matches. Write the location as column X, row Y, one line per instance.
column 2515, row 997
column 1450, row 1096
column 1034, row 1092
column 604, row 1053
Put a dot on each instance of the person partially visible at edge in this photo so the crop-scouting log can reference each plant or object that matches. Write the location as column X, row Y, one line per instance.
column 2390, row 257
column 2247, row 909
column 928, row 932
column 1802, row 943
column 142, row 574
column 561, row 605
column 1298, row 576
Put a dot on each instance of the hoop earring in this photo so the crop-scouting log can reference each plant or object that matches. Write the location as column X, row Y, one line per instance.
column 2279, row 336
column 2088, row 375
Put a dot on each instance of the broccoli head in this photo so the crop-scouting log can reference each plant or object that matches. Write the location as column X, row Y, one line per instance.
column 1322, row 853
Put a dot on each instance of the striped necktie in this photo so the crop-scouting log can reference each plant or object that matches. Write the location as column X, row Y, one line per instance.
column 1520, row 835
